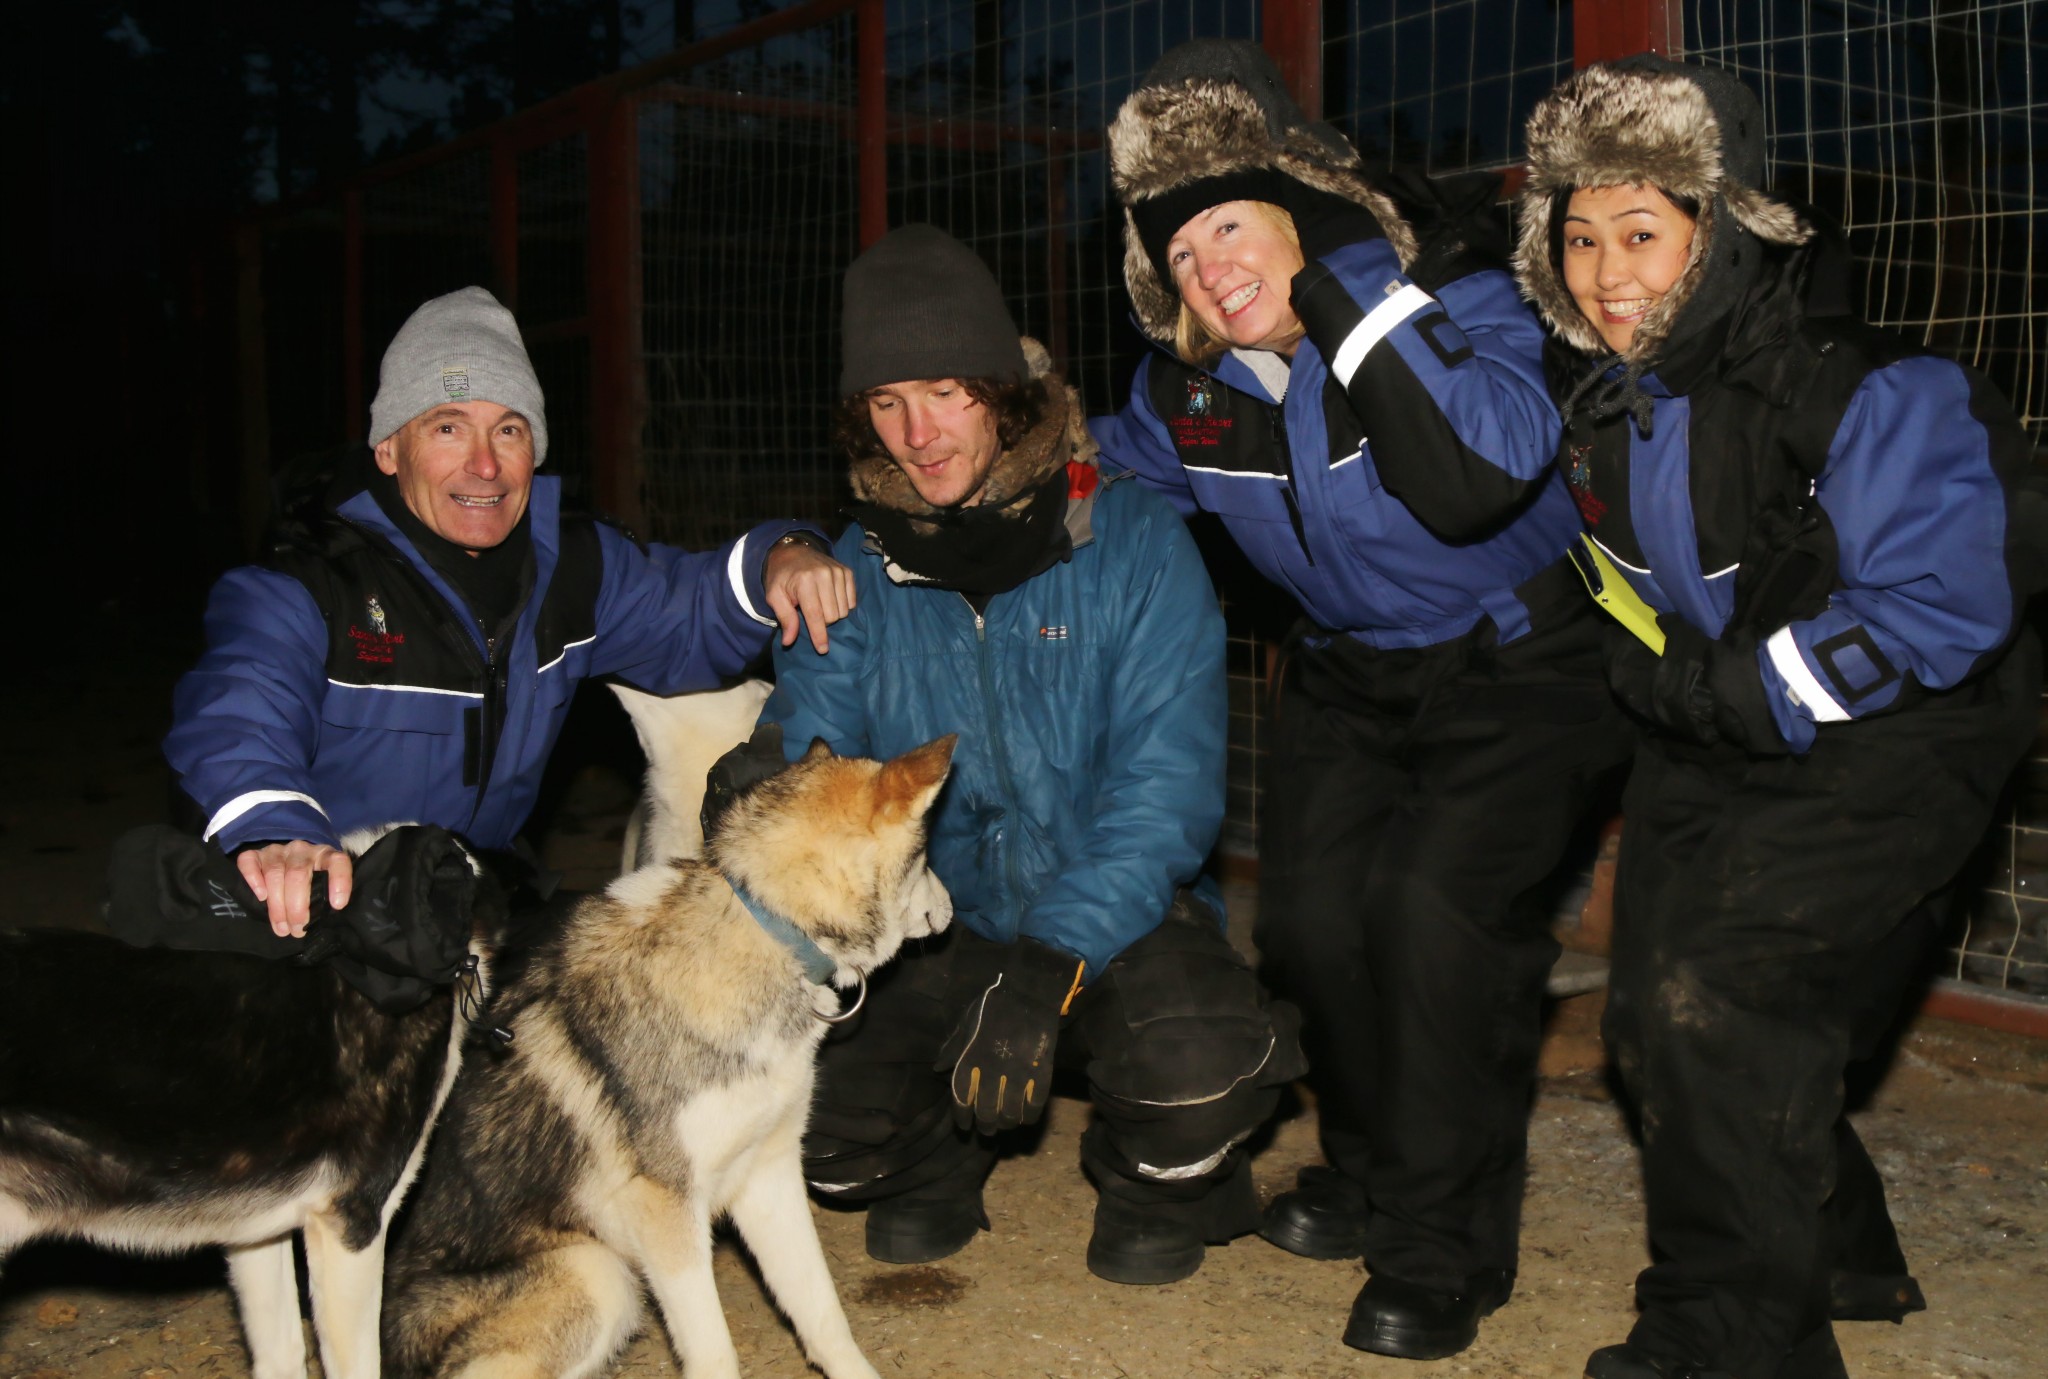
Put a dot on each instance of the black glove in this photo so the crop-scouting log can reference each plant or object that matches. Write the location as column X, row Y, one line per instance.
column 753, row 761
column 1001, row 1052
column 1700, row 690
column 1325, row 222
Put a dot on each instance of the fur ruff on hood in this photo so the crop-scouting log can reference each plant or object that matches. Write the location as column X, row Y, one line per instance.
column 1637, row 123
column 1170, row 135
column 1061, row 436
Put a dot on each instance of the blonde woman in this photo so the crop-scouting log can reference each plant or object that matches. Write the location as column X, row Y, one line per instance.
column 1365, row 411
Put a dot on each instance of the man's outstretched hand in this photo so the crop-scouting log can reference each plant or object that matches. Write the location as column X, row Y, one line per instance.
column 281, row 874
column 806, row 587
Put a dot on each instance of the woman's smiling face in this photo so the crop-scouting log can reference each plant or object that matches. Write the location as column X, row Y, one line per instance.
column 1624, row 249
column 1234, row 268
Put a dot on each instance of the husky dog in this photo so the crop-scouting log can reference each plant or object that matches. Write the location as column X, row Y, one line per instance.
column 682, row 735
column 159, row 1100
column 659, row 1077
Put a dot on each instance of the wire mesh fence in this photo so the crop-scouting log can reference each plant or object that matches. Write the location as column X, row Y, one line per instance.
column 748, row 216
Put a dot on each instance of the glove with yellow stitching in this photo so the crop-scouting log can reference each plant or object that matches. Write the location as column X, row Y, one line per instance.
column 1001, row 1052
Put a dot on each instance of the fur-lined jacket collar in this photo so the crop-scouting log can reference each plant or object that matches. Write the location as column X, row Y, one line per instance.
column 1168, row 136
column 1690, row 132
column 1061, row 436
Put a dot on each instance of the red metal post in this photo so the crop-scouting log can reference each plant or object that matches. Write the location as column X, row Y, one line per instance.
column 1056, row 256
column 504, row 194
column 1617, row 28
column 1293, row 38
column 871, row 85
column 354, row 413
column 252, row 382
column 618, row 383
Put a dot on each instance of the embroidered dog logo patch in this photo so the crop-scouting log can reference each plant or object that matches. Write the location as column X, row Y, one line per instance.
column 1200, row 426
column 378, row 646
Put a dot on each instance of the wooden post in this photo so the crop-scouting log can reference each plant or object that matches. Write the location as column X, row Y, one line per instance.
column 1293, row 38
column 504, row 220
column 1619, row 28
column 355, row 419
column 252, row 383
column 871, row 85
column 618, row 382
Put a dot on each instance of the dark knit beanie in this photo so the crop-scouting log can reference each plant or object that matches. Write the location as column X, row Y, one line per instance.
column 920, row 304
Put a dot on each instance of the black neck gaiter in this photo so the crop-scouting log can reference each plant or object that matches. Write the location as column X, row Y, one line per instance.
column 976, row 550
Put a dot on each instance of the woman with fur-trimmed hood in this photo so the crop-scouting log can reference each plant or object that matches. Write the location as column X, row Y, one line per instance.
column 1365, row 410
column 1816, row 542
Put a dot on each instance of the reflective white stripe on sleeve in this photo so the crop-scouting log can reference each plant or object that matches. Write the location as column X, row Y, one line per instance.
column 1806, row 689
column 242, row 804
column 1373, row 329
column 736, row 574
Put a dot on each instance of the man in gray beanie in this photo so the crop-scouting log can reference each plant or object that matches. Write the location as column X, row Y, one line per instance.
column 410, row 648
column 1060, row 621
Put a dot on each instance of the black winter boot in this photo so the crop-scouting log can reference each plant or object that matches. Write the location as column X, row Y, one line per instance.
column 926, row 1223
column 1631, row 1362
column 1392, row 1316
column 1322, row 1218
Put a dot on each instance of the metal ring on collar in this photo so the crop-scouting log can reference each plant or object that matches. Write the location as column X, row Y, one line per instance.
column 843, row 1016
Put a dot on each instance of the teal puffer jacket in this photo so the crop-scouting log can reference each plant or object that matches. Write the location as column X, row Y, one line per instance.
column 1088, row 781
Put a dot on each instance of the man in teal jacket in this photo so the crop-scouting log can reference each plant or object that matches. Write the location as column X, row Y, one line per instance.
column 1060, row 621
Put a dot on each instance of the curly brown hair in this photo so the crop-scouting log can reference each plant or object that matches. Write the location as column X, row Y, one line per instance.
column 1017, row 407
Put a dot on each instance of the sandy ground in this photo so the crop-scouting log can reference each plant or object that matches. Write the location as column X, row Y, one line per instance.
column 1959, row 1126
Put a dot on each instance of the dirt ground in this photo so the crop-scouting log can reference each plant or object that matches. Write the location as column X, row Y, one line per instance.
column 1959, row 1126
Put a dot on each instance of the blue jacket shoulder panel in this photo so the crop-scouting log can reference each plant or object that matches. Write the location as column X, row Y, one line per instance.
column 1089, row 778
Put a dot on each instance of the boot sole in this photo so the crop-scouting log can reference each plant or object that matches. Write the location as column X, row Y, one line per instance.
column 1312, row 1244
column 917, row 1247
column 1408, row 1343
column 1168, row 1267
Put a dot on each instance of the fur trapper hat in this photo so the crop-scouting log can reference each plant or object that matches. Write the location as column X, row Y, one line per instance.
column 1689, row 131
column 1212, row 122
column 1061, row 435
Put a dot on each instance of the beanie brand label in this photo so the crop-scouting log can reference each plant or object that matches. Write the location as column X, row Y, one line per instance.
column 455, row 382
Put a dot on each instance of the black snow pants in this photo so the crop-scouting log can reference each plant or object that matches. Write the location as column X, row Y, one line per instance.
column 1413, row 800
column 1184, row 1055
column 1770, row 914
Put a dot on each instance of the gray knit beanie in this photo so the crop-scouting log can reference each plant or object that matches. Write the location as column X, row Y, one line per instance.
column 463, row 347
column 920, row 304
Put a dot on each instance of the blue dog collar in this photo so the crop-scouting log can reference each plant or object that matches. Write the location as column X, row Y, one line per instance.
column 817, row 966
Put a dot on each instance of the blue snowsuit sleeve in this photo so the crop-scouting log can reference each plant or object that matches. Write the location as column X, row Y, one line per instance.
column 670, row 620
column 1136, row 440
column 1921, row 519
column 1448, row 386
column 1160, row 797
column 246, row 717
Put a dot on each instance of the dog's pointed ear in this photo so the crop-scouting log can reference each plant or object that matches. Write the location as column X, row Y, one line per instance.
column 817, row 751
column 908, row 784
